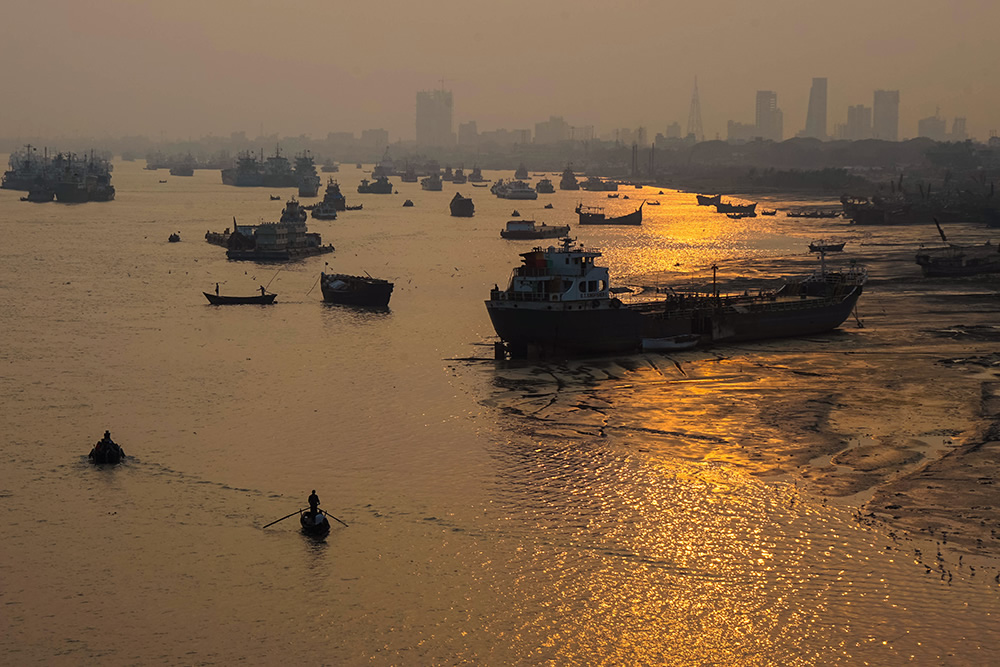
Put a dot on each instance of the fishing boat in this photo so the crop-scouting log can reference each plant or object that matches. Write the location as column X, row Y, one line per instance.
column 959, row 260
column 462, row 207
column 594, row 215
column 529, row 229
column 261, row 299
column 314, row 524
column 768, row 211
column 560, row 301
column 106, row 451
column 709, row 200
column 729, row 207
column 355, row 290
column 826, row 246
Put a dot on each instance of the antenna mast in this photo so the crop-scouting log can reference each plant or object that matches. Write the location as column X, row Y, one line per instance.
column 694, row 115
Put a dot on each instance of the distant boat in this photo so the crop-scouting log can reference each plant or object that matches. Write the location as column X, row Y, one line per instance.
column 593, row 215
column 521, row 173
column 174, row 238
column 529, row 229
column 709, row 200
column 823, row 246
column 729, row 207
column 355, row 290
column 545, row 187
column 222, row 300
column 462, row 207
column 432, row 183
column 408, row 203
column 768, row 211
column 958, row 260
column 275, row 197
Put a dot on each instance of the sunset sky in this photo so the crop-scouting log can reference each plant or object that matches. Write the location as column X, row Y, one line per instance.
column 187, row 68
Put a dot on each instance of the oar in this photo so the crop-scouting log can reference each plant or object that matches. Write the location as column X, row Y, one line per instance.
column 328, row 514
column 285, row 517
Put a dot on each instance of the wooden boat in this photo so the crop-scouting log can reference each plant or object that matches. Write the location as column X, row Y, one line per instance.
column 959, row 260
column 671, row 343
column 275, row 197
column 709, row 200
column 106, row 451
column 729, row 207
column 768, row 211
column 316, row 524
column 462, row 207
column 223, row 300
column 408, row 203
column 592, row 215
column 174, row 238
column 355, row 290
column 823, row 246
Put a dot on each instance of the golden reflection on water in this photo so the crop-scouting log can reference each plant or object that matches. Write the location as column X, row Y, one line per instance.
column 650, row 541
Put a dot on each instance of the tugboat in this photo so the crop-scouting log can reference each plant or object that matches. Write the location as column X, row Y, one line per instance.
column 560, row 300
column 293, row 212
column 333, row 201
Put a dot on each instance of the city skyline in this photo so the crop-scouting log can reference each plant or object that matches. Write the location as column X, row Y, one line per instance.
column 183, row 70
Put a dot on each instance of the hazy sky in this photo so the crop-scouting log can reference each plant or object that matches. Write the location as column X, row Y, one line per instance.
column 180, row 68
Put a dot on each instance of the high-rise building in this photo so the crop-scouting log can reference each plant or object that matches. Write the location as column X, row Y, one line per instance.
column 958, row 131
column 375, row 139
column 885, row 115
column 434, row 109
column 468, row 134
column 932, row 127
column 859, row 123
column 769, row 119
column 816, row 114
column 552, row 131
column 674, row 130
column 694, row 128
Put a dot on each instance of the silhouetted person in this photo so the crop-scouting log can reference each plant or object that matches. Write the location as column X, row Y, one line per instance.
column 313, row 502
column 262, row 294
column 216, row 289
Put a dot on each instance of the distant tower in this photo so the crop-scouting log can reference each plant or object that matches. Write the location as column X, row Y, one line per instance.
column 816, row 115
column 434, row 117
column 694, row 115
column 768, row 116
column 885, row 115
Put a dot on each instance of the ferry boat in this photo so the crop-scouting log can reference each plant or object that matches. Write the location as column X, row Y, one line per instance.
column 560, row 301
column 517, row 190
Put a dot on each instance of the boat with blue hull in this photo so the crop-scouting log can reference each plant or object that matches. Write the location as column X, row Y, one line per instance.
column 560, row 301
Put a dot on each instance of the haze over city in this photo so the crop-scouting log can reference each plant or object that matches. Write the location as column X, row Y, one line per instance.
column 185, row 69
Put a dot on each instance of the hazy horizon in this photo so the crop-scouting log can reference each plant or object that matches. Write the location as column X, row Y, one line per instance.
column 185, row 70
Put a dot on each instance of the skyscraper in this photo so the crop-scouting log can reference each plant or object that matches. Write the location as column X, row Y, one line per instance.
column 859, row 123
column 816, row 115
column 769, row 119
column 694, row 116
column 885, row 115
column 434, row 108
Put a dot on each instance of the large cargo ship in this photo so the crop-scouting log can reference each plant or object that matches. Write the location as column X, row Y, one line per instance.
column 560, row 301
column 70, row 178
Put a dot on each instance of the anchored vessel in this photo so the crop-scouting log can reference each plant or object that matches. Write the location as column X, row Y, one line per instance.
column 355, row 290
column 528, row 229
column 559, row 300
column 462, row 207
column 594, row 215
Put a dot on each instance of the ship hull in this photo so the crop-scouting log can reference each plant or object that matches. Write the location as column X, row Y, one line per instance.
column 599, row 327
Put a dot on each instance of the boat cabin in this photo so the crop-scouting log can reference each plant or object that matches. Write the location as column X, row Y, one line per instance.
column 561, row 274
